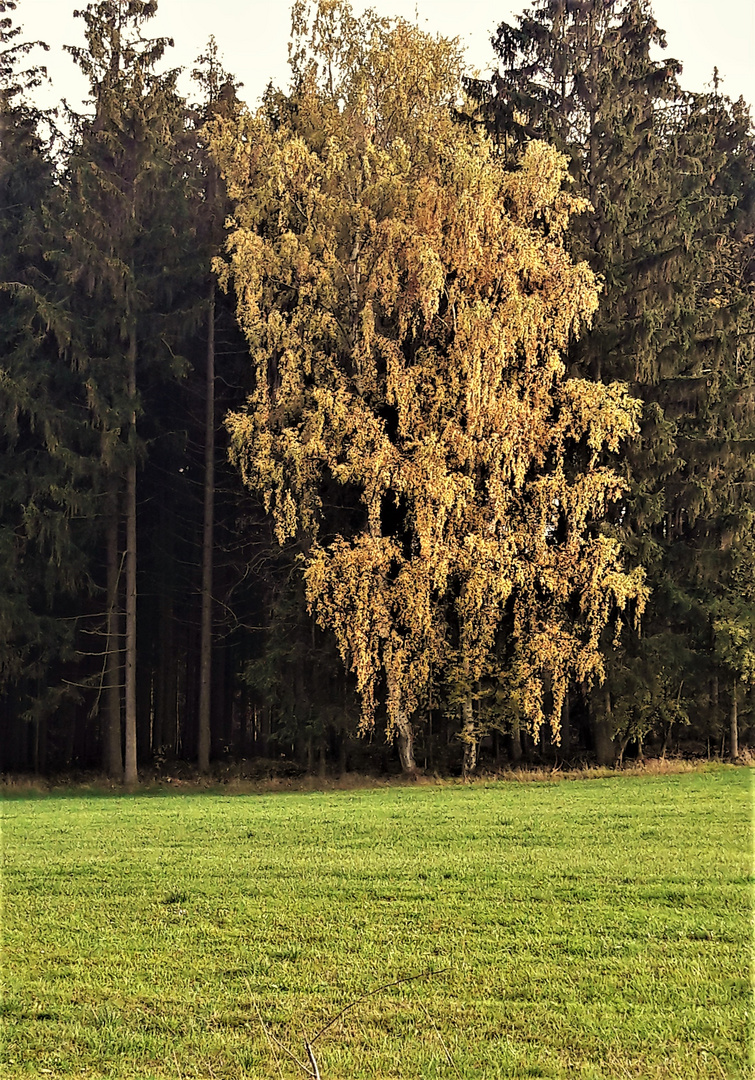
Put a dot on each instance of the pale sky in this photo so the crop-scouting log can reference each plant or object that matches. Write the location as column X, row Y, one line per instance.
column 252, row 36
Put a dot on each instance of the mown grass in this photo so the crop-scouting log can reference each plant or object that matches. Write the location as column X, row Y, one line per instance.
column 584, row 930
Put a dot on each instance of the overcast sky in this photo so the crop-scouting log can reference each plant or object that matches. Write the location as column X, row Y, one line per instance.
column 252, row 36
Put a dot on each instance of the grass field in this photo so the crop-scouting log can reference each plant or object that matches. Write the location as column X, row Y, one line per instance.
column 581, row 929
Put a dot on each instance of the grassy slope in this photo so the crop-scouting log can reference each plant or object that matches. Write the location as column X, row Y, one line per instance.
column 589, row 929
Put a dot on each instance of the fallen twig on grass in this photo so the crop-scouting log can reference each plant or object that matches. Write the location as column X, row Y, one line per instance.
column 371, row 993
column 314, row 1070
column 313, row 1059
column 447, row 1052
column 272, row 1040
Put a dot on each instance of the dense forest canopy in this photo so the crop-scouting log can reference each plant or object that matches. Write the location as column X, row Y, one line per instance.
column 446, row 439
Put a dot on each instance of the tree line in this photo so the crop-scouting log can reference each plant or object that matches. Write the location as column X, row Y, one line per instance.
column 407, row 419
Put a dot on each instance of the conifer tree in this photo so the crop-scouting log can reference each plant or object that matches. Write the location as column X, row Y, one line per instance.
column 220, row 100
column 125, row 259
column 43, row 492
column 714, row 506
column 650, row 162
column 407, row 302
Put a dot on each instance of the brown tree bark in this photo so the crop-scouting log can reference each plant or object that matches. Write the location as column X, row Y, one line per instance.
column 205, row 646
column 733, row 721
column 113, row 754
column 130, row 775
column 602, row 731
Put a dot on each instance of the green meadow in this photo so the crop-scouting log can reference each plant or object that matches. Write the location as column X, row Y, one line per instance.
column 580, row 929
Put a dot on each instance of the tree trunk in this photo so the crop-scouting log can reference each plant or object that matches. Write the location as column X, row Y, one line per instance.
column 205, row 645
column 405, row 743
column 565, row 730
column 403, row 731
column 594, row 135
column 516, row 740
column 130, row 774
column 113, row 753
column 734, row 730
column 602, row 731
column 469, row 737
column 667, row 738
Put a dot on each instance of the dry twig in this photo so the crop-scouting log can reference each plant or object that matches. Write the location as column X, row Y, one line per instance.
column 447, row 1052
column 371, row 993
column 309, row 1044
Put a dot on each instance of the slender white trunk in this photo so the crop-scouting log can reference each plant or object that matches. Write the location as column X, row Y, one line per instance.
column 469, row 737
column 405, row 741
column 403, row 730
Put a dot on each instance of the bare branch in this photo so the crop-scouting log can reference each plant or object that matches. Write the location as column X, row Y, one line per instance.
column 371, row 993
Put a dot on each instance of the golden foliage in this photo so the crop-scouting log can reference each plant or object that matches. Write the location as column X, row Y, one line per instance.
column 407, row 302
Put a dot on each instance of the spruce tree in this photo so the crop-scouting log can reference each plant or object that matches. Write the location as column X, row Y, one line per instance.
column 125, row 256
column 219, row 91
column 650, row 161
column 715, row 506
column 43, row 486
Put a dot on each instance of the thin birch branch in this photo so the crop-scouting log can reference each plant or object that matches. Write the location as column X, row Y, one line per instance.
column 371, row 993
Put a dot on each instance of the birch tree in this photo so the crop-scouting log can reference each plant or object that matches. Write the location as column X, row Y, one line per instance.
column 407, row 302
